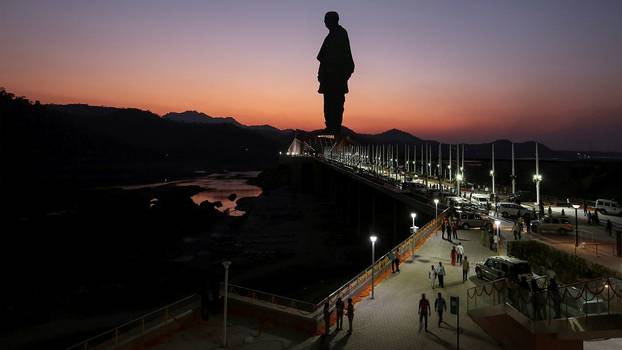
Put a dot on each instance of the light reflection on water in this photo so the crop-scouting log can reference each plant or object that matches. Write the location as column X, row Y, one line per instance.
column 218, row 187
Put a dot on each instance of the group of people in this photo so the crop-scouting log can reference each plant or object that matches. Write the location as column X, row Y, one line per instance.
column 340, row 308
column 394, row 257
column 440, row 306
column 450, row 227
column 525, row 294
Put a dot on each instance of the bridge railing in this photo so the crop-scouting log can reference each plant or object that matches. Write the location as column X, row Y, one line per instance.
column 136, row 328
column 601, row 296
column 382, row 264
column 278, row 301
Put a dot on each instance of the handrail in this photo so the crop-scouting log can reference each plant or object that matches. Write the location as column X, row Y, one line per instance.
column 579, row 299
column 114, row 335
column 307, row 307
column 420, row 232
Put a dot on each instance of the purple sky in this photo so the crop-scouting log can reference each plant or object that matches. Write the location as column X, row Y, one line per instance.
column 456, row 71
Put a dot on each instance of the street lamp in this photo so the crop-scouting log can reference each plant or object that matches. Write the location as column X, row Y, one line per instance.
column 576, row 227
column 458, row 181
column 537, row 178
column 492, row 175
column 412, row 240
column 498, row 224
column 436, row 206
column 226, row 265
column 373, row 239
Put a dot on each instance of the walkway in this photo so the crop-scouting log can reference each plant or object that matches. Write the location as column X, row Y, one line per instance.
column 390, row 321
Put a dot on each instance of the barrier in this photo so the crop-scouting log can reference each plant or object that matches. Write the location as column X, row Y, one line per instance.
column 136, row 328
column 585, row 299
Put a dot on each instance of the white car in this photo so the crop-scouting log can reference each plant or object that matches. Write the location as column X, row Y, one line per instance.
column 607, row 206
column 507, row 209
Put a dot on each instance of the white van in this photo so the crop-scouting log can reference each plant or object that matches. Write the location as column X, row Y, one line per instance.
column 607, row 206
column 480, row 200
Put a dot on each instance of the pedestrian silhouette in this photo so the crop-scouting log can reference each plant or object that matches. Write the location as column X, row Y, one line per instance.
column 326, row 318
column 424, row 312
column 339, row 306
column 336, row 67
column 440, row 306
column 350, row 311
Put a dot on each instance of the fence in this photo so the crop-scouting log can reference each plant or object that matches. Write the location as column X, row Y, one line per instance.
column 405, row 248
column 134, row 329
column 601, row 296
column 353, row 286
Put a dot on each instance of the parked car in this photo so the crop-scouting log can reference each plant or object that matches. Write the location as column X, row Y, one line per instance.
column 501, row 266
column 508, row 209
column 471, row 219
column 481, row 200
column 454, row 201
column 607, row 206
column 559, row 225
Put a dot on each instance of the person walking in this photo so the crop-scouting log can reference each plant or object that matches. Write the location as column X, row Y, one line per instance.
column 452, row 255
column 550, row 212
column 440, row 306
column 443, row 229
column 556, row 297
column 339, row 306
column 397, row 260
column 391, row 257
column 432, row 276
column 515, row 231
column 440, row 274
column 424, row 312
column 584, row 209
column 326, row 318
column 595, row 217
column 350, row 311
column 460, row 252
column 609, row 227
column 465, row 269
column 537, row 301
column 589, row 217
column 454, row 229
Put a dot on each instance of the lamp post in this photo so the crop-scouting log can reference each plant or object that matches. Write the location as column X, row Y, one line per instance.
column 412, row 241
column 373, row 239
column 458, row 181
column 537, row 177
column 226, row 265
column 498, row 224
column 436, row 207
column 576, row 227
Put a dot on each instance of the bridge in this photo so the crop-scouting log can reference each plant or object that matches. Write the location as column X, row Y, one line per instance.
column 374, row 198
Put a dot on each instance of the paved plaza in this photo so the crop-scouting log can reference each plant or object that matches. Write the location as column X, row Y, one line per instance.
column 390, row 321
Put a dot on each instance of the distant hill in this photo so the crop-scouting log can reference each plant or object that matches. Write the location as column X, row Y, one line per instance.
column 198, row 117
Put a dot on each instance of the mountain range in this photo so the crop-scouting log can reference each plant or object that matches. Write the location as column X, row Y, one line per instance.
column 503, row 148
column 109, row 144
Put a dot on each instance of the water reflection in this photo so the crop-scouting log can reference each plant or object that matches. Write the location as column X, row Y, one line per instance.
column 218, row 187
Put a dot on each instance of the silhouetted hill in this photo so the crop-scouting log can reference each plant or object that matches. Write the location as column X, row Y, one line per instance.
column 278, row 135
column 198, row 117
column 80, row 143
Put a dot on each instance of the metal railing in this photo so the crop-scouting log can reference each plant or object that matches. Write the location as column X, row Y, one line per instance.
column 136, row 328
column 601, row 296
column 383, row 263
column 282, row 302
column 350, row 288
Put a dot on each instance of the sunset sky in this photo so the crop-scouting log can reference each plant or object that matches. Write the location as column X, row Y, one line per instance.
column 455, row 71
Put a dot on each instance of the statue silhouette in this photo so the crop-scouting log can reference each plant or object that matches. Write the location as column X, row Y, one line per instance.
column 336, row 67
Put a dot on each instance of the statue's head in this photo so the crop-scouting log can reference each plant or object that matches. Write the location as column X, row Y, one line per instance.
column 331, row 19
